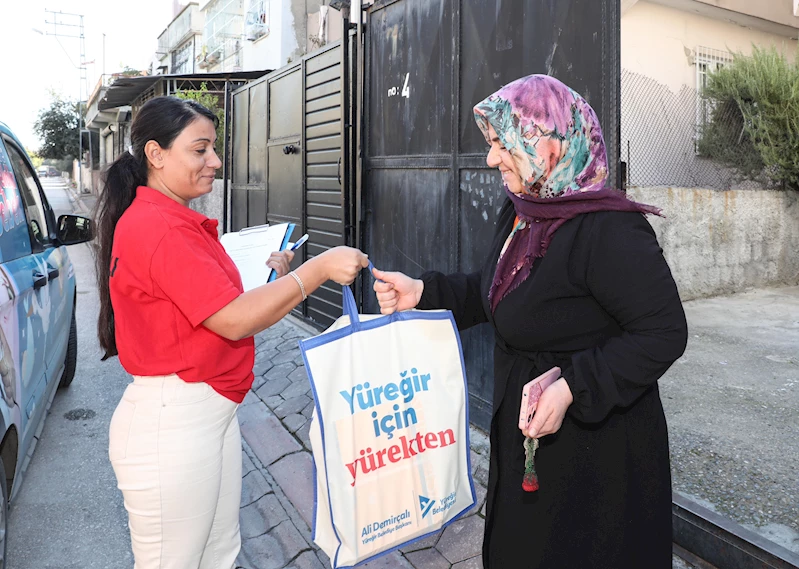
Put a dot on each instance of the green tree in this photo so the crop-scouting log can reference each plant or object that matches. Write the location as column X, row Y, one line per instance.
column 128, row 71
column 35, row 158
column 754, row 120
column 57, row 127
column 211, row 102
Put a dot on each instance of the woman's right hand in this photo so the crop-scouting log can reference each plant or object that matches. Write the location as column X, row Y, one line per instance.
column 343, row 264
column 397, row 291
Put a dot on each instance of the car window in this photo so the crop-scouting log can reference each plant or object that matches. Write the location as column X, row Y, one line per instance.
column 34, row 209
column 14, row 240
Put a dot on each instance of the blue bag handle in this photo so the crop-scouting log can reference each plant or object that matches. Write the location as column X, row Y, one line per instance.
column 350, row 308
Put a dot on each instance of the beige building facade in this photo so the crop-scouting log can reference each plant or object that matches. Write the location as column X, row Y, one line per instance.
column 663, row 40
column 668, row 48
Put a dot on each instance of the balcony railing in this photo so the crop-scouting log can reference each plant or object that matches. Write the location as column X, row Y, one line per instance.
column 104, row 81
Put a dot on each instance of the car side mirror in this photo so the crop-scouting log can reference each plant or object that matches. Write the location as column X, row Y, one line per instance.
column 74, row 229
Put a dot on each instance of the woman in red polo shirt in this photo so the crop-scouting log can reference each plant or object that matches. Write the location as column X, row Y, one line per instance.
column 173, row 308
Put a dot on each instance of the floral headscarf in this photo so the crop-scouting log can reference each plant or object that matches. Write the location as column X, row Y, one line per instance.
column 538, row 106
column 523, row 113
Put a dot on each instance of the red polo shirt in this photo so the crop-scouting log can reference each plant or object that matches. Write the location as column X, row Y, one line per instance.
column 168, row 274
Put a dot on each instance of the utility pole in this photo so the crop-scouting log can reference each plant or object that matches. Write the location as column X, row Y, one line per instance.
column 63, row 25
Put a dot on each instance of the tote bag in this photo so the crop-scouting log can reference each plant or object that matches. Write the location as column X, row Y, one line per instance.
column 390, row 431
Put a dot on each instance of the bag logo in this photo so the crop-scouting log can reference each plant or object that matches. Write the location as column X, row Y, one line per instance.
column 425, row 504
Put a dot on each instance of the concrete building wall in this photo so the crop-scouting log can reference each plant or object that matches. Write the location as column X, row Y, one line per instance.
column 212, row 205
column 263, row 53
column 266, row 52
column 333, row 29
column 783, row 12
column 720, row 242
column 291, row 24
column 294, row 26
column 657, row 41
column 659, row 91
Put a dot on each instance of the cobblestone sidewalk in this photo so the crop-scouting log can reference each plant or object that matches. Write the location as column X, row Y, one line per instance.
column 277, row 496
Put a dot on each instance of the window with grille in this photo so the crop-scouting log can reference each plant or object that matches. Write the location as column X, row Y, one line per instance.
column 707, row 61
column 257, row 21
column 183, row 57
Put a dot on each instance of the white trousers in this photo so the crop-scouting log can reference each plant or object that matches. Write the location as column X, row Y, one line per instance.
column 176, row 451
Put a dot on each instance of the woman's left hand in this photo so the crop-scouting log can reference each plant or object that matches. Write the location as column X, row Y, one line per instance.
column 550, row 411
column 280, row 261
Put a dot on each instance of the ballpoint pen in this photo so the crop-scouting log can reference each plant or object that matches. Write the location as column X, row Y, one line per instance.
column 300, row 242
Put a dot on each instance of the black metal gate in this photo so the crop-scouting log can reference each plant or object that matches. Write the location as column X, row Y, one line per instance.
column 287, row 160
column 430, row 202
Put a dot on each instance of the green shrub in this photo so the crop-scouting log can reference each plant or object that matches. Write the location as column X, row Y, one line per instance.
column 754, row 116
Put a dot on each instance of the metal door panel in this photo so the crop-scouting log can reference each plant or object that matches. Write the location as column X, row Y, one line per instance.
column 329, row 170
column 323, row 197
column 322, row 156
column 328, row 129
column 324, row 311
column 285, row 185
column 257, row 137
column 411, row 221
column 330, row 293
column 328, row 225
column 321, row 242
column 481, row 197
column 507, row 39
column 332, row 73
column 322, row 103
column 323, row 60
column 323, row 90
column 285, row 105
column 241, row 123
column 411, row 60
column 323, row 116
column 238, row 209
column 324, row 184
column 256, row 207
column 330, row 211
column 326, row 143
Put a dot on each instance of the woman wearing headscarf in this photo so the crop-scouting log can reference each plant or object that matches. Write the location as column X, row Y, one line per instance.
column 574, row 278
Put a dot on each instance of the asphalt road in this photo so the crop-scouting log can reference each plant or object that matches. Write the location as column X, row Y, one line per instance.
column 69, row 514
column 732, row 405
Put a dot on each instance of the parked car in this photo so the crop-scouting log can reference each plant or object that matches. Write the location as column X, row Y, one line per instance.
column 38, row 335
column 48, row 172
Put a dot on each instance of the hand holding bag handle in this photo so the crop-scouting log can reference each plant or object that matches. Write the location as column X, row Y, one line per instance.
column 350, row 307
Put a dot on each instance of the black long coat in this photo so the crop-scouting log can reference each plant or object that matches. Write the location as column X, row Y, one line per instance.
column 602, row 305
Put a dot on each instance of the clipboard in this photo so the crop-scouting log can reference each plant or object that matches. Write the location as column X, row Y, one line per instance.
column 250, row 248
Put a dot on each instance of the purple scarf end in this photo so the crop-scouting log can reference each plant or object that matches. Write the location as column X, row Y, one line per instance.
column 544, row 217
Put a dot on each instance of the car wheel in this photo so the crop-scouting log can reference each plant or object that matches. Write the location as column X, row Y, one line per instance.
column 72, row 356
column 3, row 515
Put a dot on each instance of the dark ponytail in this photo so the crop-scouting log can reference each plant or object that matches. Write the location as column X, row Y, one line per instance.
column 161, row 119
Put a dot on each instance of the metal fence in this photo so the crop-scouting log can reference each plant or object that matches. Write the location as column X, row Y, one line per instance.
column 668, row 138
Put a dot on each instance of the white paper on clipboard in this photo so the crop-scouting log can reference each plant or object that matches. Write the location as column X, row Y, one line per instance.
column 250, row 249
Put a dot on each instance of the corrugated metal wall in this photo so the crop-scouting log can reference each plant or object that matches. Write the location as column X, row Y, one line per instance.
column 430, row 201
column 286, row 157
column 323, row 141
